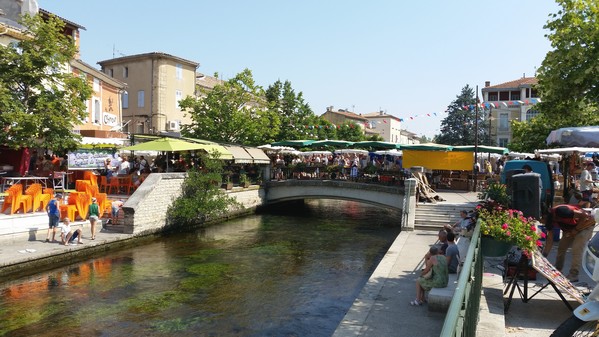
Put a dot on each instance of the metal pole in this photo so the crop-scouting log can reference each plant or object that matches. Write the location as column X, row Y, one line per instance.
column 476, row 141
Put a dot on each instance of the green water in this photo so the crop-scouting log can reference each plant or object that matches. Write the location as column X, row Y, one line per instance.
column 294, row 271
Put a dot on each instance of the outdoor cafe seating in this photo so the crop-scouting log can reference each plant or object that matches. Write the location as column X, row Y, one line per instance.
column 16, row 200
column 40, row 199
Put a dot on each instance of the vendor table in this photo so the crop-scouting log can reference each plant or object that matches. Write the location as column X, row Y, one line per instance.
column 9, row 181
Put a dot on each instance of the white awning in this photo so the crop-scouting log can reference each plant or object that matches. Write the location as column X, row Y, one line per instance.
column 259, row 157
column 97, row 140
column 240, row 156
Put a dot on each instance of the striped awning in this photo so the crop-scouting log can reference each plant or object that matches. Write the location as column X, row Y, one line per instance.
column 259, row 157
column 240, row 155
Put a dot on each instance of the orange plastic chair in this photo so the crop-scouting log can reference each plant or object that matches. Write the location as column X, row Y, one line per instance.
column 68, row 211
column 114, row 185
column 20, row 197
column 83, row 186
column 82, row 202
column 103, row 186
column 126, row 184
column 40, row 200
column 13, row 201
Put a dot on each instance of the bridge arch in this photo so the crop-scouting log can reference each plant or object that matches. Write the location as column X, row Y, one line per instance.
column 394, row 197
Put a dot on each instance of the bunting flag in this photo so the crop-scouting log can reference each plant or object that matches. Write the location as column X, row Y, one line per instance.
column 483, row 105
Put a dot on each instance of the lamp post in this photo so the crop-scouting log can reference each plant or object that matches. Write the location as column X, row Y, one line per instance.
column 476, row 140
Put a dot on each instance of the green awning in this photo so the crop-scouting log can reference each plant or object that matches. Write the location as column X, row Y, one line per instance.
column 427, row 147
column 482, row 148
column 332, row 142
column 174, row 144
column 294, row 143
column 377, row 145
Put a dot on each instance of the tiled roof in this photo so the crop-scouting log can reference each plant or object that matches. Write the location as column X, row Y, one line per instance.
column 207, row 81
column 372, row 115
column 45, row 12
column 348, row 114
column 151, row 55
column 524, row 81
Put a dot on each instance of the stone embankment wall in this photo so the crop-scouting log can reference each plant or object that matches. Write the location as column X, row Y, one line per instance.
column 145, row 210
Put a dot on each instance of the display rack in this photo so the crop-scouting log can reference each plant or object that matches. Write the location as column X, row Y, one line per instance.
column 554, row 277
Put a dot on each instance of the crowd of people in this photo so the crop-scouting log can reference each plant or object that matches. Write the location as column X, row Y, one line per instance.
column 333, row 165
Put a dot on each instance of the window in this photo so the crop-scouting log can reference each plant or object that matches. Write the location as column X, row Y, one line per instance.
column 493, row 96
column 527, row 93
column 503, row 142
column 515, row 95
column 97, row 111
column 530, row 114
column 125, row 99
column 125, row 72
column 534, row 93
column 503, row 122
column 140, row 99
column 504, row 96
column 139, row 128
column 179, row 72
column 96, row 85
column 178, row 98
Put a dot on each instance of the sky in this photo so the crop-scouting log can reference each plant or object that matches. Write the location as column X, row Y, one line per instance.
column 407, row 58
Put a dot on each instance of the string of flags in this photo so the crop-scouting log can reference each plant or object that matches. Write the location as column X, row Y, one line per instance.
column 484, row 105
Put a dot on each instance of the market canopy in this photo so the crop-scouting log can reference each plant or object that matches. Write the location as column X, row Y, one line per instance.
column 481, row 148
column 583, row 136
column 377, row 144
column 294, row 143
column 427, row 147
column 174, row 144
column 332, row 142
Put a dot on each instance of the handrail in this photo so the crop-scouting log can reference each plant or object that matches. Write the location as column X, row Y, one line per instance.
column 456, row 315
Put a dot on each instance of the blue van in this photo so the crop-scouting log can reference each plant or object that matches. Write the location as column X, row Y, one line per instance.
column 540, row 167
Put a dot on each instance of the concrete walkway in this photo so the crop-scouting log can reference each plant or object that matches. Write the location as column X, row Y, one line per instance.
column 383, row 307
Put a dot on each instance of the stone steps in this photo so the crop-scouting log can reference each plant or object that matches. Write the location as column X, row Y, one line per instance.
column 435, row 216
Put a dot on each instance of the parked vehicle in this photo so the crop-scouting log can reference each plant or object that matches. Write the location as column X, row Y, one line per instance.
column 540, row 167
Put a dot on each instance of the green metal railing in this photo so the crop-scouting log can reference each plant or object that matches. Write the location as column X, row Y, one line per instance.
column 462, row 315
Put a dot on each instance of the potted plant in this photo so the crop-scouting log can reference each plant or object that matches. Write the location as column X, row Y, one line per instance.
column 228, row 184
column 244, row 181
column 502, row 228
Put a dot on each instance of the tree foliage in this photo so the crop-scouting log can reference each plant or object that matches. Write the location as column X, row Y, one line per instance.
column 567, row 77
column 234, row 112
column 201, row 198
column 351, row 132
column 40, row 99
column 458, row 128
column 569, row 72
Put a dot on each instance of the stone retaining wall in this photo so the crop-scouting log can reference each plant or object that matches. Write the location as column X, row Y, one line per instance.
column 145, row 210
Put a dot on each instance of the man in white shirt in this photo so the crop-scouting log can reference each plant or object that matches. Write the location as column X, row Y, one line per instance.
column 125, row 166
column 586, row 184
column 67, row 234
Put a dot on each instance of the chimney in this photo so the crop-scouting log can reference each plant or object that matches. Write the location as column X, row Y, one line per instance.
column 330, row 108
column 487, row 84
column 381, row 112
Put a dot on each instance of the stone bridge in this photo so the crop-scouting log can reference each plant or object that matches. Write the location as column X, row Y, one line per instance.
column 400, row 198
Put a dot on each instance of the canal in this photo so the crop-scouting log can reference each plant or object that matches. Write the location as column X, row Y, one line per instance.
column 291, row 271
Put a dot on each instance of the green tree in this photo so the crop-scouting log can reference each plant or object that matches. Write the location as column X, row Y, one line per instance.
column 567, row 76
column 457, row 128
column 351, row 132
column 40, row 100
column 569, row 72
column 234, row 112
column 201, row 198
column 293, row 112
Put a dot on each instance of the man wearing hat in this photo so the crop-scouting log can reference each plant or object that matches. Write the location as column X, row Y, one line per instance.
column 577, row 227
column 53, row 210
column 94, row 215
